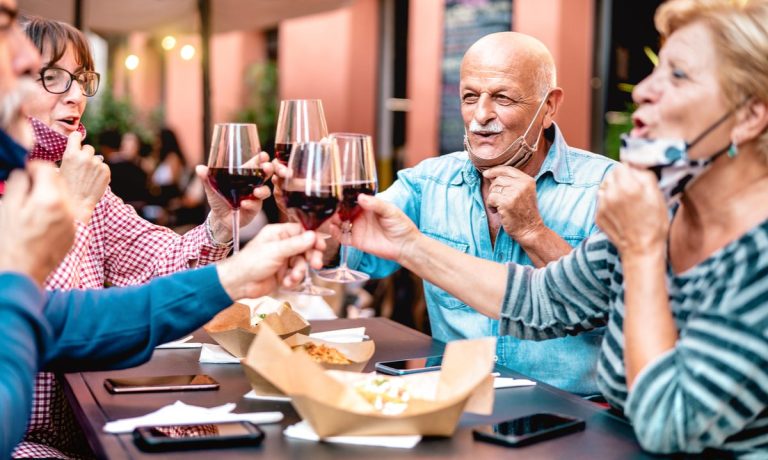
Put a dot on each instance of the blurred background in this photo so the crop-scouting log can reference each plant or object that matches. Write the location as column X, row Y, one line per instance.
column 389, row 68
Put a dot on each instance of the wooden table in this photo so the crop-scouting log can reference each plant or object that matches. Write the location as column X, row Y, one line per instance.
column 606, row 436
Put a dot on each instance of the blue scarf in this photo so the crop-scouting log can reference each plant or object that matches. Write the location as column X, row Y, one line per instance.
column 12, row 155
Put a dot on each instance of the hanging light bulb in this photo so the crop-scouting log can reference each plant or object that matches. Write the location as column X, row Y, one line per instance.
column 131, row 62
column 168, row 43
column 187, row 52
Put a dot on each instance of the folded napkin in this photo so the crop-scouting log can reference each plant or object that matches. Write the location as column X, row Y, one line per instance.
column 302, row 430
column 214, row 354
column 181, row 343
column 509, row 382
column 253, row 395
column 351, row 335
column 179, row 413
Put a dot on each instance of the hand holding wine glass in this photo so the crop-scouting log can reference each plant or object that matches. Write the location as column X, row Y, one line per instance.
column 312, row 190
column 358, row 176
column 236, row 172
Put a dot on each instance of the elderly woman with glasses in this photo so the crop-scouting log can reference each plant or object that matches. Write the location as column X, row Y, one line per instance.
column 113, row 245
column 680, row 272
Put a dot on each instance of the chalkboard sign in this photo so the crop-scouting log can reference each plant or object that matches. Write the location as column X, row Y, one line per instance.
column 465, row 22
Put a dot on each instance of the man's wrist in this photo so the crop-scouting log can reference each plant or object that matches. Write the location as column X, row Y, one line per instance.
column 531, row 235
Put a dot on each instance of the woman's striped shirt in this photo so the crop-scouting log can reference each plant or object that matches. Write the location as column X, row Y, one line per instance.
column 711, row 390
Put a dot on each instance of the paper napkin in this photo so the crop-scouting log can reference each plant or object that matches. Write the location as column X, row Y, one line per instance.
column 302, row 430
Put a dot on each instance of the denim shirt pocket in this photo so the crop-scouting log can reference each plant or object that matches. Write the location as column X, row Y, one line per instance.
column 444, row 299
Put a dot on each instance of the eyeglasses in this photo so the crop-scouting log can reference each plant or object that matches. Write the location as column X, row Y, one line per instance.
column 7, row 17
column 58, row 81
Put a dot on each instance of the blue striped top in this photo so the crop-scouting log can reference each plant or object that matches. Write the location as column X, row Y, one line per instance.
column 711, row 390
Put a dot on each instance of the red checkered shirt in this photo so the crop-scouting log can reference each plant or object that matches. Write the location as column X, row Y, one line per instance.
column 118, row 248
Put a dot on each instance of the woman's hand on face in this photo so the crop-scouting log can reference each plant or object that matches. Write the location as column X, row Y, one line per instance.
column 632, row 212
column 221, row 212
column 86, row 176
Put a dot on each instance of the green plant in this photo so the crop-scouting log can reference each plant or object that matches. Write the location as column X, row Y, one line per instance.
column 261, row 101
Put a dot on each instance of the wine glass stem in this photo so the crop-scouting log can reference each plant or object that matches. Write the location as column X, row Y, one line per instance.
column 236, row 230
column 346, row 236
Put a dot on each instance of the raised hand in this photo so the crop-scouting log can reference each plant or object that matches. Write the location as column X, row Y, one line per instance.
column 86, row 176
column 278, row 254
column 382, row 229
column 36, row 223
column 632, row 212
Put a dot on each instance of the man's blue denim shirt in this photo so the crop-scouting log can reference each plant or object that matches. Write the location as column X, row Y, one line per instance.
column 442, row 196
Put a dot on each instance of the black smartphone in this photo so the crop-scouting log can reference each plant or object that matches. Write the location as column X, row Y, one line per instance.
column 410, row 366
column 185, row 437
column 529, row 429
column 161, row 383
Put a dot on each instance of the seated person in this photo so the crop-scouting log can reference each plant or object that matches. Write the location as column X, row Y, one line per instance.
column 679, row 274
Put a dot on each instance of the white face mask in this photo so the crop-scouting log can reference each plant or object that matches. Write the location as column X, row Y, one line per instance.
column 668, row 159
column 517, row 154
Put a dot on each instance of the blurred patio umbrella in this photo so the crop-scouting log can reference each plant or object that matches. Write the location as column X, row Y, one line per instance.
column 206, row 17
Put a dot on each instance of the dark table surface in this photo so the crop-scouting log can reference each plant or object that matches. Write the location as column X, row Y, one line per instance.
column 605, row 437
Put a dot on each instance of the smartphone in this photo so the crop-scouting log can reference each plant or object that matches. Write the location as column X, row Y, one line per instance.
column 161, row 383
column 185, row 437
column 529, row 429
column 410, row 366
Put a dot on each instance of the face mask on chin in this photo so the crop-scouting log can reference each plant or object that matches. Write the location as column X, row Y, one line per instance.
column 49, row 144
column 668, row 159
column 517, row 154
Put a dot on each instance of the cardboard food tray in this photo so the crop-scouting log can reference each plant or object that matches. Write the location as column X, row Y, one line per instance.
column 357, row 352
column 232, row 329
column 328, row 401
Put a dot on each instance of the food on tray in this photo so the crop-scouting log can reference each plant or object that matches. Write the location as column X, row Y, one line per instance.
column 263, row 307
column 324, row 354
column 387, row 395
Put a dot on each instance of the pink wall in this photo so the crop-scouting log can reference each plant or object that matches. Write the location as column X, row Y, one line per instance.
column 334, row 57
column 425, row 51
column 183, row 99
column 566, row 27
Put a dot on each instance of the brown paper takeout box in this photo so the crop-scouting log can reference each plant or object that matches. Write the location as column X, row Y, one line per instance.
column 328, row 401
column 232, row 329
column 357, row 352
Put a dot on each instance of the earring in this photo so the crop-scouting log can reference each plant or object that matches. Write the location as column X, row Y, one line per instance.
column 733, row 150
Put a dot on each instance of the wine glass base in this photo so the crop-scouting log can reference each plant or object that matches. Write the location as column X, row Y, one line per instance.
column 309, row 290
column 342, row 275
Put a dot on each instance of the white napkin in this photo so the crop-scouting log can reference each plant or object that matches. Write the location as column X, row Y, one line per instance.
column 214, row 354
column 253, row 395
column 509, row 382
column 351, row 335
column 302, row 430
column 181, row 343
column 179, row 413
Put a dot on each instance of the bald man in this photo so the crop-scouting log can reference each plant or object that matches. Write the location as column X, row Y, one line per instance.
column 517, row 193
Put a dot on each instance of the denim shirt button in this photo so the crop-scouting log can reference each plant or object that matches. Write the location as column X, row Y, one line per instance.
column 495, row 358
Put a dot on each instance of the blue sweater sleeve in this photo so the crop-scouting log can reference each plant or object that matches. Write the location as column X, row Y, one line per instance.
column 120, row 327
column 24, row 333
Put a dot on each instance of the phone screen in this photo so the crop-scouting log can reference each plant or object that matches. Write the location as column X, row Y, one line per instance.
column 407, row 366
column 531, row 428
column 214, row 435
column 161, row 383
column 199, row 431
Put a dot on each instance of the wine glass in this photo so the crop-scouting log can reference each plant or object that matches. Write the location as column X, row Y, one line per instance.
column 233, row 167
column 299, row 120
column 358, row 175
column 311, row 192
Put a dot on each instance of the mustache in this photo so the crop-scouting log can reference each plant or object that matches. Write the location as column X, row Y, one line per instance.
column 12, row 102
column 493, row 126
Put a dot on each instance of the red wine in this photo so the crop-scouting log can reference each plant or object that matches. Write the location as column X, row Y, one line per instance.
column 283, row 152
column 311, row 211
column 235, row 185
column 348, row 208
